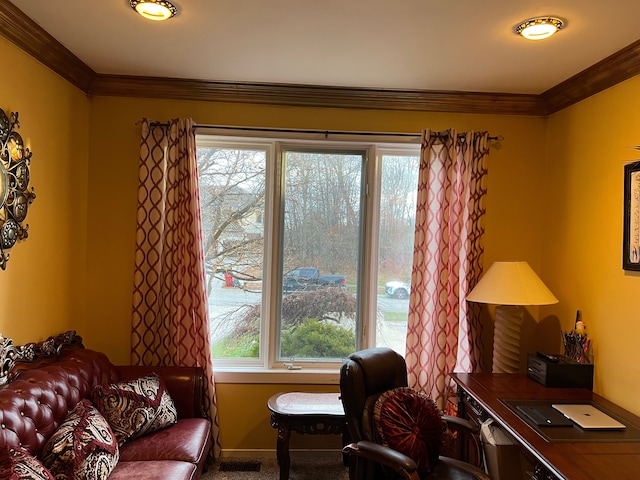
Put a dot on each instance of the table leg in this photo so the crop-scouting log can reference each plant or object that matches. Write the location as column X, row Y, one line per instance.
column 282, row 449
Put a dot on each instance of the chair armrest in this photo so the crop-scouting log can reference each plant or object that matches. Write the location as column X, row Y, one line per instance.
column 402, row 464
column 466, row 444
column 462, row 423
column 451, row 468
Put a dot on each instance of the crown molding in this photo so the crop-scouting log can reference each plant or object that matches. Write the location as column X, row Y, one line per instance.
column 30, row 37
column 19, row 29
column 616, row 68
column 316, row 95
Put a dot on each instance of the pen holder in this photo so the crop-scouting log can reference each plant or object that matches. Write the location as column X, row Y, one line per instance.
column 577, row 347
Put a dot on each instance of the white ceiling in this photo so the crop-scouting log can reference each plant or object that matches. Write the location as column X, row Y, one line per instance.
column 455, row 45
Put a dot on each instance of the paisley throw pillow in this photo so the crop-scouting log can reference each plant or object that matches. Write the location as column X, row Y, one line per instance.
column 18, row 464
column 136, row 408
column 83, row 447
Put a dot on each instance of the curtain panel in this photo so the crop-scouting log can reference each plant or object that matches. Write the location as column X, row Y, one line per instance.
column 444, row 331
column 170, row 319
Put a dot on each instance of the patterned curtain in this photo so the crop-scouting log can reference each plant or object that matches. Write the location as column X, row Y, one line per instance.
column 444, row 331
column 170, row 324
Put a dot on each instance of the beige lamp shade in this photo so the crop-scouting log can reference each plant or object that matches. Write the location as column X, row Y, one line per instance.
column 511, row 283
column 510, row 286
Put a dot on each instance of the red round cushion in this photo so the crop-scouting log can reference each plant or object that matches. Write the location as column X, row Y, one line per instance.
column 411, row 423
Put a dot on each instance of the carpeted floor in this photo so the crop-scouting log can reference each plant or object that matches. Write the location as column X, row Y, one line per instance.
column 302, row 468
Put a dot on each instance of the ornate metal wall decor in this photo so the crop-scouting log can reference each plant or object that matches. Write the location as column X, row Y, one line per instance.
column 15, row 196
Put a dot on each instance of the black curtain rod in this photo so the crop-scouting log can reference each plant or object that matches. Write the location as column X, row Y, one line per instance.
column 326, row 133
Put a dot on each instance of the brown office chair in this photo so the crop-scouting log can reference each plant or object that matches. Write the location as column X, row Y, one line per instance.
column 365, row 376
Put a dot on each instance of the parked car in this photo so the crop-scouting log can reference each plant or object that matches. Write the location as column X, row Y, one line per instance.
column 397, row 289
column 309, row 278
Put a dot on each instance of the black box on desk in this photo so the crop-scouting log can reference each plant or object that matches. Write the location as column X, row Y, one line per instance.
column 565, row 373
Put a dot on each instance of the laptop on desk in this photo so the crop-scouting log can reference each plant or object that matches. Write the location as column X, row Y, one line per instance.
column 588, row 417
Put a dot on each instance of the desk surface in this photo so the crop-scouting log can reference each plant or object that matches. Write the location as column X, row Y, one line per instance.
column 598, row 460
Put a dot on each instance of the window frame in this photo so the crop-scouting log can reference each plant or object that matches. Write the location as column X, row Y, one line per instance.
column 374, row 149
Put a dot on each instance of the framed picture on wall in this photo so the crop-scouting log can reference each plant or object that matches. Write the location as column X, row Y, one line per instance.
column 631, row 239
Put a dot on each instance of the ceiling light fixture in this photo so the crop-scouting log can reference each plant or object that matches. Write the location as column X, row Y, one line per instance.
column 539, row 27
column 154, row 9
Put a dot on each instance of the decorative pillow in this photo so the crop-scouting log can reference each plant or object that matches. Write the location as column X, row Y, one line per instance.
column 18, row 464
column 411, row 423
column 137, row 407
column 83, row 447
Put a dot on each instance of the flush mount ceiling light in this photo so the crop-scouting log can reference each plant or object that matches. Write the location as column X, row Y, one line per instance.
column 154, row 9
column 539, row 27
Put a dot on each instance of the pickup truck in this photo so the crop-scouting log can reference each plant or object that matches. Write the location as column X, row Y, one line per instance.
column 309, row 278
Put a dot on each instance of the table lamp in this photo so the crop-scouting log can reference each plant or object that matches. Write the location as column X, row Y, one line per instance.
column 510, row 286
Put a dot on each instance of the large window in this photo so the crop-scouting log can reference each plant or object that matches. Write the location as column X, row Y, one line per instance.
column 308, row 248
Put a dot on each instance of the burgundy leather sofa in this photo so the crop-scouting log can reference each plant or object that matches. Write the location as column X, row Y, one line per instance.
column 35, row 397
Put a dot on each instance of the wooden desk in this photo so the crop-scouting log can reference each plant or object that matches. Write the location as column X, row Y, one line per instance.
column 483, row 395
column 305, row 412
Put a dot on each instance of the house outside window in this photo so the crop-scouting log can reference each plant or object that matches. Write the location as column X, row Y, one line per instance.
column 308, row 248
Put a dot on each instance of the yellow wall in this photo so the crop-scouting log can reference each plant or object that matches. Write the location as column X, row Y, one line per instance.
column 42, row 291
column 244, row 418
column 588, row 146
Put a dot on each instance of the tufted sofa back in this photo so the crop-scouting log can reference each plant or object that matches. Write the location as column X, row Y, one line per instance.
column 33, row 406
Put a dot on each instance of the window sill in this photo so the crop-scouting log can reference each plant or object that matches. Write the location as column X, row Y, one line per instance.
column 257, row 375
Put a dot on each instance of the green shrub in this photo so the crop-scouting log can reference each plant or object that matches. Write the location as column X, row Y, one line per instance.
column 314, row 339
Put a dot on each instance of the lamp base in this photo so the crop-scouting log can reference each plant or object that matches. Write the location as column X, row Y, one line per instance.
column 506, row 339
